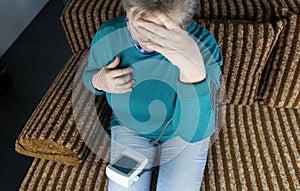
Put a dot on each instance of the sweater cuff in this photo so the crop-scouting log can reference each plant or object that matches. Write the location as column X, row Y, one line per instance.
column 87, row 80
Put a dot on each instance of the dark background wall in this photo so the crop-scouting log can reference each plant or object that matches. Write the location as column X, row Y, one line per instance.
column 33, row 61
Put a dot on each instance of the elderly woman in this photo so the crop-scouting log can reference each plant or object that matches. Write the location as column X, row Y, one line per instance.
column 156, row 66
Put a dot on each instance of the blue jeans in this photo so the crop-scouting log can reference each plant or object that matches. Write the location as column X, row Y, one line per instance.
column 181, row 164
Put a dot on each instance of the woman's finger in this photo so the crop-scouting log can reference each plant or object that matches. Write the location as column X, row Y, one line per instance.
column 127, row 85
column 135, row 29
column 120, row 72
column 125, row 88
column 123, row 91
column 123, row 79
column 153, row 37
column 168, row 22
column 153, row 28
column 153, row 46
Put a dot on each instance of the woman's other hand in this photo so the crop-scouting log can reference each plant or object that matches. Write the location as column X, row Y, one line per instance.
column 113, row 80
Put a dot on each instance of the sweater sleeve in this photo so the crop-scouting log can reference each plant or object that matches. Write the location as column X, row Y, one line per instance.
column 95, row 60
column 94, row 65
column 194, row 116
column 103, row 49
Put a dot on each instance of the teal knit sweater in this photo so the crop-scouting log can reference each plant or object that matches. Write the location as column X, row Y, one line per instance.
column 157, row 95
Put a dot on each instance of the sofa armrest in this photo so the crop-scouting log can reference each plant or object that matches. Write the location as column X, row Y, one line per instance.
column 81, row 19
column 65, row 124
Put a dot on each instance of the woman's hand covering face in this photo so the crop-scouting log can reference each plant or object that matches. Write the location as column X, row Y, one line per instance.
column 166, row 37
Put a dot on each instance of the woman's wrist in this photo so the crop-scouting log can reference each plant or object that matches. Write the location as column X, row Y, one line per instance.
column 191, row 77
column 95, row 79
column 192, row 73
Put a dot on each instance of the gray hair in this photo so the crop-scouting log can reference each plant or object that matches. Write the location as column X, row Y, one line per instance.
column 181, row 10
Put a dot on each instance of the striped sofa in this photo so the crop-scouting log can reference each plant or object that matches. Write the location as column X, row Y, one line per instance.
column 258, row 145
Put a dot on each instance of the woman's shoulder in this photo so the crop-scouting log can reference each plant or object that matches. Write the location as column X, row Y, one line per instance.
column 205, row 40
column 109, row 26
column 201, row 34
column 117, row 22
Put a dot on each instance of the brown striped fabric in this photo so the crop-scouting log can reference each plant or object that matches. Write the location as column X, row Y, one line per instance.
column 246, row 47
column 257, row 149
column 256, row 10
column 49, row 175
column 280, row 87
column 82, row 18
column 63, row 126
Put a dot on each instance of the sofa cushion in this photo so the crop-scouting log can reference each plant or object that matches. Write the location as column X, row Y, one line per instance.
column 246, row 47
column 257, row 149
column 48, row 175
column 280, row 87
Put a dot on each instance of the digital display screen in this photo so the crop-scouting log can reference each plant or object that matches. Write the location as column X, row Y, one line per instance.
column 125, row 164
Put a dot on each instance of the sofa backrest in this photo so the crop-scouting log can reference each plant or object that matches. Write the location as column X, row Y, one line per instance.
column 82, row 18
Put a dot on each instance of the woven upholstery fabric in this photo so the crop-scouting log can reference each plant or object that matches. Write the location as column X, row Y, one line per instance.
column 245, row 47
column 82, row 18
column 53, row 131
column 49, row 175
column 257, row 149
column 256, row 10
column 87, row 176
column 280, row 87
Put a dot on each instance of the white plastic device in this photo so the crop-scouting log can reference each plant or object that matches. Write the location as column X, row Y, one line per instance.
column 124, row 170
